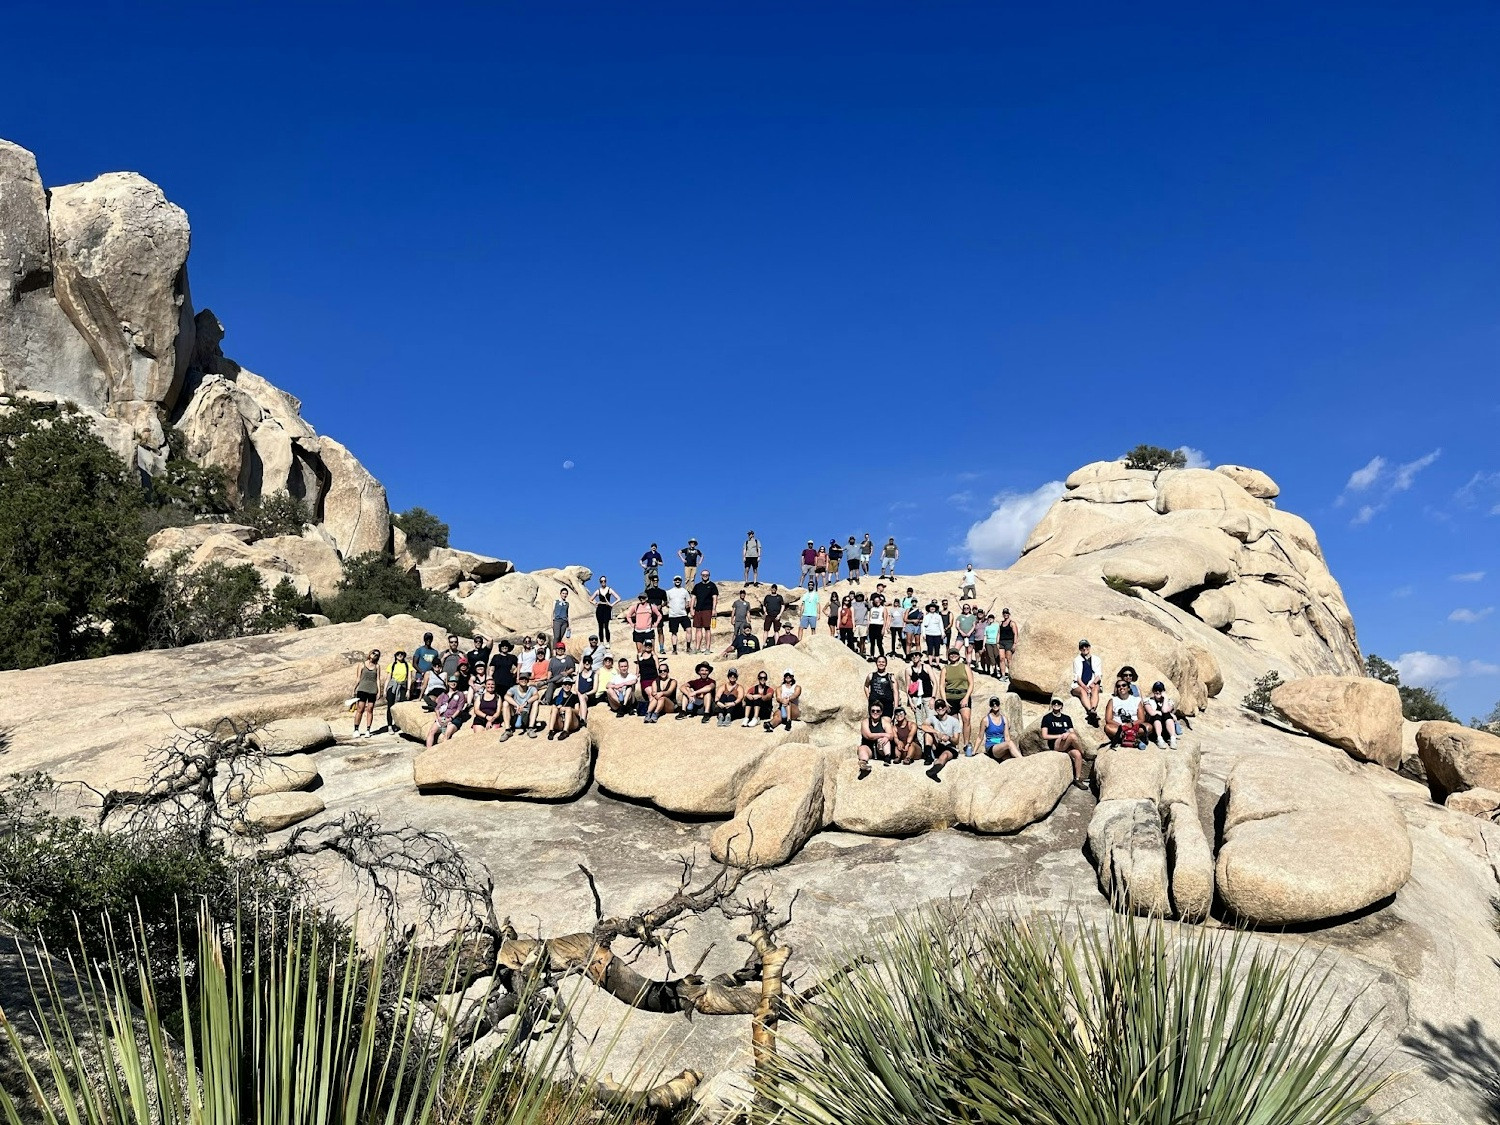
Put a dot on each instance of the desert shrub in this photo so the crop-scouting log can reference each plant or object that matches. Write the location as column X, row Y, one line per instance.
column 217, row 601
column 423, row 531
column 1418, row 704
column 72, row 585
column 373, row 583
column 280, row 513
column 1121, row 585
column 1488, row 722
column 1017, row 1022
column 1154, row 457
column 186, row 487
column 1258, row 699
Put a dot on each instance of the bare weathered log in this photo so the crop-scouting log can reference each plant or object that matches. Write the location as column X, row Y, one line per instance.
column 669, row 1097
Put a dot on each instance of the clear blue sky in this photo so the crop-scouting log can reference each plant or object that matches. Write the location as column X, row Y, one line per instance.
column 853, row 266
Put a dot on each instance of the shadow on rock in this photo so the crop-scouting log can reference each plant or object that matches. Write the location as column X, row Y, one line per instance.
column 1461, row 1053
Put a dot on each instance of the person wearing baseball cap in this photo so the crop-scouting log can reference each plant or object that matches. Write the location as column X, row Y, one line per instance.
column 752, row 558
column 1088, row 680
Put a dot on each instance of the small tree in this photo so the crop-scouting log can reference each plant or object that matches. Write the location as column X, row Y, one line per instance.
column 216, row 601
column 1488, row 722
column 1382, row 670
column 187, row 487
column 72, row 584
column 1259, row 697
column 1154, row 457
column 423, row 531
column 373, row 583
column 280, row 513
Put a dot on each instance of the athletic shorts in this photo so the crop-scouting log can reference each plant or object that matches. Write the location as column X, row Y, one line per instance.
column 641, row 638
column 773, row 623
column 955, row 701
column 365, row 696
column 752, row 561
column 674, row 624
column 809, row 622
column 911, row 630
column 703, row 619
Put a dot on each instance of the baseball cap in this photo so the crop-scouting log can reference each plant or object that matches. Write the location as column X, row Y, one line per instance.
column 1084, row 644
column 1158, row 686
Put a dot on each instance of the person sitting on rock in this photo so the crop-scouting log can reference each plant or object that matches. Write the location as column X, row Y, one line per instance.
column 516, row 711
column 744, row 642
column 945, row 730
column 446, row 715
column 788, row 702
column 758, row 698
column 788, row 637
column 1058, row 734
column 621, row 693
column 1130, row 676
column 586, row 685
column 1123, row 721
column 698, row 695
column 1161, row 716
column 729, row 703
column 564, row 701
column 1088, row 680
column 906, row 740
column 661, row 694
column 997, row 740
column 875, row 740
column 484, row 703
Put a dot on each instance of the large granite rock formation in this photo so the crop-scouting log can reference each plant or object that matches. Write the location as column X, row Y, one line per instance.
column 95, row 309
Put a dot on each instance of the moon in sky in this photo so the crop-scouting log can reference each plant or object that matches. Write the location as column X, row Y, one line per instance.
column 567, row 464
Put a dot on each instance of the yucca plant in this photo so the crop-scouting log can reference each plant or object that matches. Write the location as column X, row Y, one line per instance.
column 1009, row 1021
column 276, row 1030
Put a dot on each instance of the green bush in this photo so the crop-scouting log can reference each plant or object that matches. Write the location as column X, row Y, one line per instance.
column 423, row 531
column 218, row 601
column 72, row 584
column 1016, row 1022
column 185, row 486
column 1258, row 699
column 373, row 583
column 1121, row 585
column 280, row 513
column 1154, row 457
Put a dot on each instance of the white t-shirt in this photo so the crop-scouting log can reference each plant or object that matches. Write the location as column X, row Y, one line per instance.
column 948, row 729
column 1126, row 710
column 677, row 602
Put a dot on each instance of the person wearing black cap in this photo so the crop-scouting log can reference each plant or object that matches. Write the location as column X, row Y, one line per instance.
column 1088, row 680
column 1058, row 734
column 752, row 558
column 1161, row 716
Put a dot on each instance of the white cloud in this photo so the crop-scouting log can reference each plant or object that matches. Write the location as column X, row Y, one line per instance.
column 1471, row 616
column 1365, row 514
column 1196, row 458
column 1481, row 489
column 1467, row 576
column 1402, row 592
column 997, row 539
column 1424, row 669
column 961, row 499
column 1361, row 479
column 1407, row 473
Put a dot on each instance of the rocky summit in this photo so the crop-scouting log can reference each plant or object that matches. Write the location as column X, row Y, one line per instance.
column 1302, row 823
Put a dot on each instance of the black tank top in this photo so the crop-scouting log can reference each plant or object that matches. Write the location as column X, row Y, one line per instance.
column 882, row 689
column 877, row 726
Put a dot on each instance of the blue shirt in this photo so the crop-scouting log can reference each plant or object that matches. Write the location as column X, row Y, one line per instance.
column 424, row 656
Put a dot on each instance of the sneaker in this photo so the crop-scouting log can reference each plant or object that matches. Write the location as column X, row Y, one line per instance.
column 551, row 735
column 748, row 723
column 505, row 735
column 864, row 771
column 531, row 734
column 705, row 718
column 1079, row 783
column 933, row 773
column 769, row 727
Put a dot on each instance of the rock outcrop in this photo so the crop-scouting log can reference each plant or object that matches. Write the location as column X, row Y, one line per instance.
column 1358, row 714
column 95, row 309
column 1458, row 758
column 1304, row 842
column 1210, row 543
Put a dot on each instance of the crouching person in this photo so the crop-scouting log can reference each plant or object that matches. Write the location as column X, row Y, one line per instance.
column 698, row 693
column 446, row 714
column 566, row 705
column 519, row 701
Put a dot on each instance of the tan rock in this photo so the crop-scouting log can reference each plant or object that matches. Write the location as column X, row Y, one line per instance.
column 1474, row 802
column 895, row 800
column 1180, row 489
column 997, row 797
column 119, row 249
column 779, row 809
column 216, row 436
column 1192, row 863
column 1130, row 854
column 308, row 554
column 271, row 812
column 1304, row 841
column 1358, row 714
column 1130, row 775
column 274, row 775
column 477, row 762
column 479, row 568
column 292, row 736
column 440, row 574
column 1253, row 481
column 1458, row 758
column 355, row 511
column 193, row 536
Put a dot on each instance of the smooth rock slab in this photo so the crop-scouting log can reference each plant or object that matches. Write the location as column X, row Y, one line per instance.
column 275, row 811
column 275, row 775
column 1358, row 714
column 1474, row 802
column 780, row 808
column 292, row 736
column 478, row 762
column 1305, row 841
column 1130, row 854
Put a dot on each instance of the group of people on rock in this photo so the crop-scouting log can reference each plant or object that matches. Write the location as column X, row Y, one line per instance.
column 820, row 565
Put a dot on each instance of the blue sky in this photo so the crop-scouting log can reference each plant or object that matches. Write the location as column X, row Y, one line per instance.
column 820, row 268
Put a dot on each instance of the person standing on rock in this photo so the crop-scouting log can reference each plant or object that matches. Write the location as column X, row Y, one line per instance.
column 1058, row 734
column 605, row 599
column 451, row 659
column 752, row 558
column 560, row 611
column 933, row 631
column 877, row 615
column 809, row 618
column 853, row 559
column 888, row 556
column 657, row 598
column 691, row 556
column 772, row 607
column 1005, row 638
column 845, row 620
column 503, row 667
column 705, row 605
column 424, row 656
column 859, row 622
column 739, row 611
column 678, row 617
column 642, row 618
column 967, row 583
column 651, row 564
column 1088, row 680
column 958, row 693
column 831, row 614
column 880, row 687
column 398, row 682
column 866, row 553
column 835, row 559
column 809, row 564
column 366, row 692
column 478, row 656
